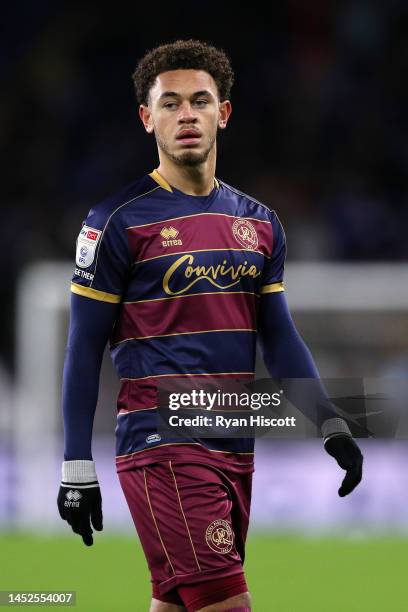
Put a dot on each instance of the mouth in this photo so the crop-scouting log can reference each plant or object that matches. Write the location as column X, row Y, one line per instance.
column 189, row 137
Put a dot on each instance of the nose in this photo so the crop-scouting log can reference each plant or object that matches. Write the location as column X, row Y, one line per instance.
column 186, row 113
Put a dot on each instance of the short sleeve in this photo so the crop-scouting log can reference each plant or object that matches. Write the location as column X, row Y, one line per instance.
column 272, row 276
column 102, row 258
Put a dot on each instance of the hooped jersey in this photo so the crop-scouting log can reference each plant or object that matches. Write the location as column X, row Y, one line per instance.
column 187, row 272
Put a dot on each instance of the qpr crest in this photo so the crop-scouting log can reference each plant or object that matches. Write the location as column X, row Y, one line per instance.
column 219, row 536
column 245, row 233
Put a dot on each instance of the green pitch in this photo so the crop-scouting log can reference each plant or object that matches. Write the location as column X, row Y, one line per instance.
column 285, row 573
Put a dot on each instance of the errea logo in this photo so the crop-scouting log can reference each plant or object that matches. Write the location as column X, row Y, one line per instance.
column 73, row 498
column 73, row 495
column 170, row 234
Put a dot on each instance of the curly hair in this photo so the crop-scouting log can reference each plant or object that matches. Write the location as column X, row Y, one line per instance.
column 183, row 54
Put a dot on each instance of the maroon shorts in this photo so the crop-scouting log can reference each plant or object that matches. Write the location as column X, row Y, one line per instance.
column 192, row 521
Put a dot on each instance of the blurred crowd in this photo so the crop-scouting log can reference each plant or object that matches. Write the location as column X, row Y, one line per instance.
column 318, row 130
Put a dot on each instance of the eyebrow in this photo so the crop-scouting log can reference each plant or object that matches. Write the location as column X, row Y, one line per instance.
column 174, row 94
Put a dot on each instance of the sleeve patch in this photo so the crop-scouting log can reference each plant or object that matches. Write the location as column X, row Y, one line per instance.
column 86, row 244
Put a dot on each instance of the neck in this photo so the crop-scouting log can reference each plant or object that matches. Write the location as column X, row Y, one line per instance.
column 192, row 180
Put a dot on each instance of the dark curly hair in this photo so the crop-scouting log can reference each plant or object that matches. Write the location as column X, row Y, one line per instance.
column 185, row 54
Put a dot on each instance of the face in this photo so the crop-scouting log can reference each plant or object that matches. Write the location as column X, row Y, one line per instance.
column 184, row 113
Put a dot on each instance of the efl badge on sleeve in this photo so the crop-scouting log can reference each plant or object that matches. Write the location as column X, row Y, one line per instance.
column 86, row 245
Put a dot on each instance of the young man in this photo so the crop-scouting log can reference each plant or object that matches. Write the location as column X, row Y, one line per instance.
column 179, row 270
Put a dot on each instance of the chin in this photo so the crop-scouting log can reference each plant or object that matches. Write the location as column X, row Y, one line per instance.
column 191, row 158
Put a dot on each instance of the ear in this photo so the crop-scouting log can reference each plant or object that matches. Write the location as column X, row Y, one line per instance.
column 225, row 110
column 146, row 118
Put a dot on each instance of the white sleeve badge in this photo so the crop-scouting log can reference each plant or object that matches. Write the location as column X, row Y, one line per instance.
column 86, row 245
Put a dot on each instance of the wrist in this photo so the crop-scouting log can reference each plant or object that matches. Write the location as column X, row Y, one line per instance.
column 335, row 427
column 81, row 471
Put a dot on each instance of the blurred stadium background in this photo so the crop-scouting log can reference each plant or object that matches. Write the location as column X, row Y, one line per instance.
column 318, row 132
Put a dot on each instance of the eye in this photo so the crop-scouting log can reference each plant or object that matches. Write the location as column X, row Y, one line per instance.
column 170, row 104
column 201, row 102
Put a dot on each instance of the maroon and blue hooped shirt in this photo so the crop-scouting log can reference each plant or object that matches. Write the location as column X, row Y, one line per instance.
column 187, row 273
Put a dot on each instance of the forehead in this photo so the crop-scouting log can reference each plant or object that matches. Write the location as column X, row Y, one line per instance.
column 184, row 82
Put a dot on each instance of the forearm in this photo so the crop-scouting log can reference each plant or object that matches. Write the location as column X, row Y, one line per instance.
column 90, row 326
column 287, row 357
column 79, row 398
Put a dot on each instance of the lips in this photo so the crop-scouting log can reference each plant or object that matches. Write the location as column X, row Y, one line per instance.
column 188, row 135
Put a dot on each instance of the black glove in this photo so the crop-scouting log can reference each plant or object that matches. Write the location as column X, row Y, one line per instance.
column 349, row 457
column 79, row 498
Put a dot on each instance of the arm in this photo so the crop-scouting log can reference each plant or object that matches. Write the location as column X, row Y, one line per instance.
column 79, row 498
column 287, row 357
column 285, row 354
column 102, row 265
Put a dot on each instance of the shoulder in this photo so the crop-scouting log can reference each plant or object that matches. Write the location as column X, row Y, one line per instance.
column 112, row 208
column 261, row 209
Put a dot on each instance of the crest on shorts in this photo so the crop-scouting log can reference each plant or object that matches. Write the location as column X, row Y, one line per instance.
column 245, row 233
column 219, row 536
